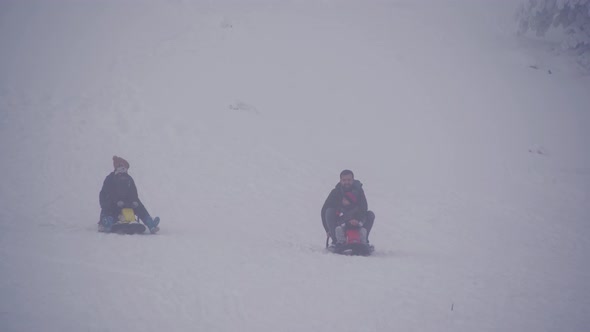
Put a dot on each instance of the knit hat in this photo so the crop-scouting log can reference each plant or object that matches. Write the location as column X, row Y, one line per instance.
column 118, row 161
column 350, row 197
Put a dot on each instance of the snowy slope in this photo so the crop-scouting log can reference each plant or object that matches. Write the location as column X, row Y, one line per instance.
column 237, row 117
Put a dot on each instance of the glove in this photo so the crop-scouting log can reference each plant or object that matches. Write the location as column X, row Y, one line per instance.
column 354, row 222
column 120, row 204
column 135, row 205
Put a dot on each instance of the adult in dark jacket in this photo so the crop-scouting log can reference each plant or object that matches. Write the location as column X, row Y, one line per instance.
column 119, row 191
column 333, row 205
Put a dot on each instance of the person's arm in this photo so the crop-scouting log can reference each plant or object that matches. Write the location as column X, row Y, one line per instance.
column 363, row 205
column 357, row 188
column 104, row 196
column 328, row 204
column 134, row 191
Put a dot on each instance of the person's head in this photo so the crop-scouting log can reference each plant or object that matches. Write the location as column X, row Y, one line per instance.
column 121, row 165
column 346, row 179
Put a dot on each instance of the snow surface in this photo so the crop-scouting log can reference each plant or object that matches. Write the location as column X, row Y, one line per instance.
column 237, row 117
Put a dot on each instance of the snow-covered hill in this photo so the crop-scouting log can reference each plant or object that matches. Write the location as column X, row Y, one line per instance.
column 238, row 116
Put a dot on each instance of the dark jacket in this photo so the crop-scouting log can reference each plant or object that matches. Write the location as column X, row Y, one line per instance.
column 117, row 187
column 334, row 200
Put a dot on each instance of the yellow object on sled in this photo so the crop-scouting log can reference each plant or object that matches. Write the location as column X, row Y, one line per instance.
column 127, row 215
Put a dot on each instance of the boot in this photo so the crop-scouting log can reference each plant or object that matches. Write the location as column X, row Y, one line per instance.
column 152, row 224
column 106, row 223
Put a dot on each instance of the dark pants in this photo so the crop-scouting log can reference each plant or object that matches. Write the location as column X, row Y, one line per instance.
column 333, row 221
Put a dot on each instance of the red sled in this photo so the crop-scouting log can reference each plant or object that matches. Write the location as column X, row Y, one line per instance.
column 353, row 245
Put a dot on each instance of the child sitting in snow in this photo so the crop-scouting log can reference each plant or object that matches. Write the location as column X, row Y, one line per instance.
column 350, row 217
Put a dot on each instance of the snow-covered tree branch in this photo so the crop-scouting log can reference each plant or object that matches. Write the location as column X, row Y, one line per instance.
column 571, row 15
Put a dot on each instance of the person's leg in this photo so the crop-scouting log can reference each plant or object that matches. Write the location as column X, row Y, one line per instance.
column 363, row 233
column 332, row 222
column 368, row 223
column 340, row 236
column 106, row 221
column 145, row 217
column 325, row 224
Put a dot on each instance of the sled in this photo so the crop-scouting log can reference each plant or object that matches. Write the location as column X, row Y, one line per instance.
column 353, row 245
column 128, row 228
column 352, row 249
column 127, row 224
